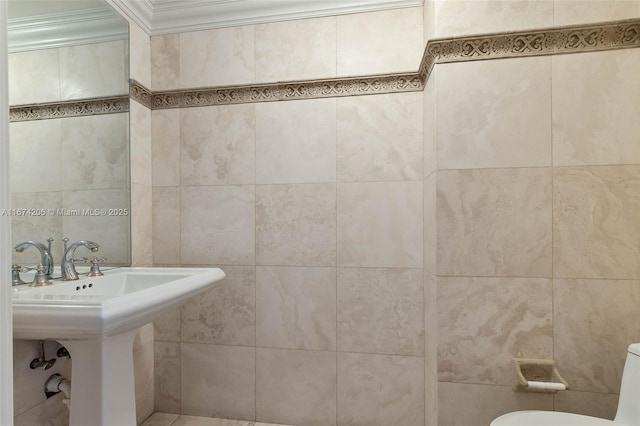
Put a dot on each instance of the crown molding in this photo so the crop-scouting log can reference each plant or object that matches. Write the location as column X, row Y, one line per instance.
column 65, row 29
column 139, row 11
column 173, row 16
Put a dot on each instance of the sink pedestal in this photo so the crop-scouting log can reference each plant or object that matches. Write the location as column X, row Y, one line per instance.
column 102, row 384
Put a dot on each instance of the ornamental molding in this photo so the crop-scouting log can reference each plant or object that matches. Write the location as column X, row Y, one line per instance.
column 517, row 44
column 79, row 108
column 139, row 93
column 271, row 92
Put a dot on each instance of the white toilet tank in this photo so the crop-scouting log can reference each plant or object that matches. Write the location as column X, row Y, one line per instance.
column 629, row 404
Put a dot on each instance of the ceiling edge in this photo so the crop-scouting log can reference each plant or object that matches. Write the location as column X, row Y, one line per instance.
column 173, row 16
column 138, row 11
column 65, row 29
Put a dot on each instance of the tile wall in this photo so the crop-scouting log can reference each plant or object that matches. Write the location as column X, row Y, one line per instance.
column 536, row 245
column 313, row 208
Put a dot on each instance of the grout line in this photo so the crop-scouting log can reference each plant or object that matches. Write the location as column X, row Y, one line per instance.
column 314, row 350
column 336, row 235
column 553, row 322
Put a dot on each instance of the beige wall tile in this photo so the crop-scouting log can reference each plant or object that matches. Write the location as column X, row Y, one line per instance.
column 380, row 390
column 429, row 147
column 380, row 224
column 429, row 19
column 141, row 225
column 295, row 387
column 225, row 314
column 111, row 232
column 593, row 404
column 465, row 17
column 92, row 70
column 431, row 328
column 166, row 225
column 217, row 145
column 589, row 355
column 26, row 228
column 381, row 311
column 167, row 377
column 596, row 228
column 95, row 151
column 465, row 405
column 568, row 12
column 139, row 143
column 430, row 397
column 296, row 50
column 494, row 222
column 165, row 62
column 218, row 381
column 139, row 55
column 596, row 103
column 165, row 150
column 296, row 141
column 218, row 225
column 33, row 151
column 379, row 42
column 485, row 322
column 482, row 121
column 166, row 328
column 296, row 225
column 430, row 224
column 52, row 412
column 380, row 137
column 25, row 68
column 217, row 57
column 296, row 307
column 144, row 336
column 143, row 365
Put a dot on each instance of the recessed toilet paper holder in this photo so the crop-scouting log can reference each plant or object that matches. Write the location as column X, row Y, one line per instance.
column 538, row 375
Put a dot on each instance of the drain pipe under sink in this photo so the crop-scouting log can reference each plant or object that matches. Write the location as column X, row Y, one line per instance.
column 55, row 384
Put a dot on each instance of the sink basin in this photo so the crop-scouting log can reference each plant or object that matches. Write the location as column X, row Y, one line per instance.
column 121, row 300
column 97, row 319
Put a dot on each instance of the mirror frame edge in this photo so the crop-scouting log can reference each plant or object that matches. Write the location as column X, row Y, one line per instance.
column 6, row 327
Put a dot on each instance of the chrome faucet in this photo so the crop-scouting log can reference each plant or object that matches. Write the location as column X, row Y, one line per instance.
column 69, row 272
column 45, row 255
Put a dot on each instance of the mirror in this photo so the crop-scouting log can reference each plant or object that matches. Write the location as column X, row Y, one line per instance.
column 69, row 130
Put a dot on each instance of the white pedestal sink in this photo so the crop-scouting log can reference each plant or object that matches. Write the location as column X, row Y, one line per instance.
column 96, row 319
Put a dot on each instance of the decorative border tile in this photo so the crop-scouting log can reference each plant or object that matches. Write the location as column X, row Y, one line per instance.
column 110, row 105
column 139, row 93
column 270, row 92
column 516, row 44
column 551, row 41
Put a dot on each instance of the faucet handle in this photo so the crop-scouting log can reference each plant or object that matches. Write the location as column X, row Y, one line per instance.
column 95, row 268
column 15, row 274
column 40, row 279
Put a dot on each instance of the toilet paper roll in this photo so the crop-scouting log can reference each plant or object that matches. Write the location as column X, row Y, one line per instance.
column 550, row 386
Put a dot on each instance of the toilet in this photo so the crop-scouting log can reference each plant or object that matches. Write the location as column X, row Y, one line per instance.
column 628, row 413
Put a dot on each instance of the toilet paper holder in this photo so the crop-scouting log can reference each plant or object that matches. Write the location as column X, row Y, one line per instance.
column 538, row 375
